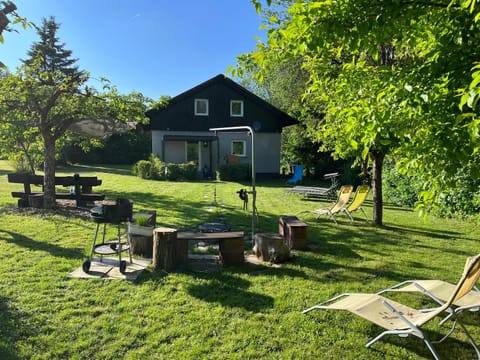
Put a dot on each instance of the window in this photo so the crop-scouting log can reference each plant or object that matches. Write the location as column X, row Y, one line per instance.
column 192, row 151
column 201, row 107
column 236, row 108
column 239, row 147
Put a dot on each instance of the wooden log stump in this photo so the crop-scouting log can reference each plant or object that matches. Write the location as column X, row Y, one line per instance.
column 271, row 247
column 164, row 249
column 232, row 251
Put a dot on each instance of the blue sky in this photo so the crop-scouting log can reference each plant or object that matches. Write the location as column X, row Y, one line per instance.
column 157, row 47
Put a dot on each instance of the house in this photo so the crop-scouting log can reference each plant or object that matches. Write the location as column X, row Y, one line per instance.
column 180, row 131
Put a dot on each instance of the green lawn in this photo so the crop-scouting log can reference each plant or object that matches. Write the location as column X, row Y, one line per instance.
column 245, row 312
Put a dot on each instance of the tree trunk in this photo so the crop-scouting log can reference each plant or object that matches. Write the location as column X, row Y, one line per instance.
column 49, row 169
column 377, row 166
column 165, row 255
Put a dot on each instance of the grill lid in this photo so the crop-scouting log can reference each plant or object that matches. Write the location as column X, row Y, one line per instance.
column 120, row 211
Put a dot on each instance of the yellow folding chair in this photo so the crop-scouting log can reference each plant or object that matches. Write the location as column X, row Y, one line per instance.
column 360, row 195
column 337, row 207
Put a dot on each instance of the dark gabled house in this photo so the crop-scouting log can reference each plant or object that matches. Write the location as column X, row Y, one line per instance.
column 180, row 131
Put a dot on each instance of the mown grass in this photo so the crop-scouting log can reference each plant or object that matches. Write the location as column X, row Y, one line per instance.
column 244, row 312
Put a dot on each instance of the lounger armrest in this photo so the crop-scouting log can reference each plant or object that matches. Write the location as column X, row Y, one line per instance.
column 330, row 175
column 324, row 305
column 398, row 288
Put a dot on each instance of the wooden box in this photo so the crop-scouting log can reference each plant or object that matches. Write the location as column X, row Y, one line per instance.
column 294, row 231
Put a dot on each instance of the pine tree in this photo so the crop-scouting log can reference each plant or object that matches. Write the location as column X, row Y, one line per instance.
column 54, row 59
column 57, row 83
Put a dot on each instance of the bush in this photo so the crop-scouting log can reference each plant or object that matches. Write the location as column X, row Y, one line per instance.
column 349, row 173
column 179, row 172
column 154, row 169
column 464, row 199
column 461, row 200
column 237, row 172
column 158, row 168
column 399, row 189
column 126, row 148
column 143, row 169
column 190, row 171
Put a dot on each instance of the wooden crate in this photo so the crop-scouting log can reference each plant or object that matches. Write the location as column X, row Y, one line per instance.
column 294, row 231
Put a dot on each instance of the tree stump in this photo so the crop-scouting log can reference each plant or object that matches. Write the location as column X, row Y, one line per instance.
column 164, row 249
column 232, row 251
column 271, row 247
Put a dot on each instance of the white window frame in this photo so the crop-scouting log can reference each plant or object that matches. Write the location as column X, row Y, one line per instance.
column 244, row 147
column 241, row 108
column 195, row 107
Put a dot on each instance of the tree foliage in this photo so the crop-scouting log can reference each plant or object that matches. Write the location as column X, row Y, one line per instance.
column 9, row 16
column 55, row 59
column 386, row 75
column 49, row 94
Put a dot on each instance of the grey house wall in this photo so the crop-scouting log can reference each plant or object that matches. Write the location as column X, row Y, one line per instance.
column 172, row 151
column 178, row 118
column 267, row 145
column 224, row 146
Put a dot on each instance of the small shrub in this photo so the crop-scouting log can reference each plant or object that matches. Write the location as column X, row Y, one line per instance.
column 152, row 169
column 143, row 169
column 158, row 168
column 180, row 172
column 189, row 170
column 237, row 172
column 173, row 172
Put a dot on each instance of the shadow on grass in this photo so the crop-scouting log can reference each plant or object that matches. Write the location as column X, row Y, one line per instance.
column 445, row 350
column 29, row 243
column 109, row 169
column 12, row 328
column 5, row 172
column 437, row 234
column 346, row 242
column 187, row 214
column 229, row 291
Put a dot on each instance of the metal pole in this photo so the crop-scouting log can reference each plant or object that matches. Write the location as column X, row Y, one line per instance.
column 254, row 191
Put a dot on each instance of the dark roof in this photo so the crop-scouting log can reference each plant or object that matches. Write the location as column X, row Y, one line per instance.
column 274, row 119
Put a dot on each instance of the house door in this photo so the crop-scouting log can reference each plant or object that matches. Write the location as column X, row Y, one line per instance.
column 199, row 152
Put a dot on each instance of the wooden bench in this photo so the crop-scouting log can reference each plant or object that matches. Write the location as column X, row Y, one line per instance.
column 230, row 245
column 80, row 188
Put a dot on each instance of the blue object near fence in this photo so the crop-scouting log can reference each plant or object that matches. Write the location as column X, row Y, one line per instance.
column 297, row 174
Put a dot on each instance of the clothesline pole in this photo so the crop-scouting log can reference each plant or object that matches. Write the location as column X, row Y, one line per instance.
column 254, row 192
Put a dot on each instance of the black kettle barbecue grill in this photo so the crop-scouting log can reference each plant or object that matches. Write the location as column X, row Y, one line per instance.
column 116, row 213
